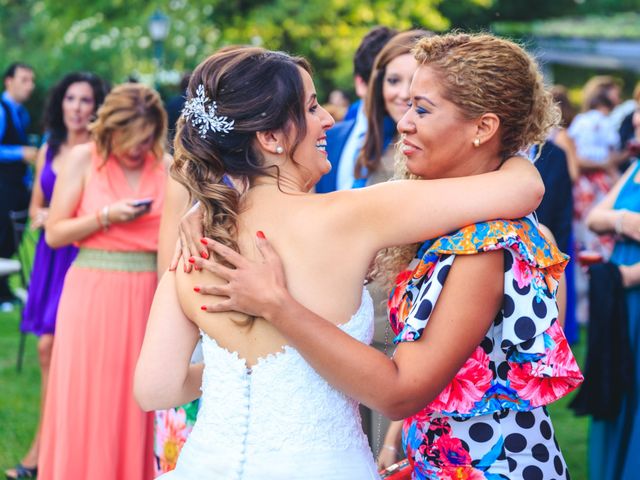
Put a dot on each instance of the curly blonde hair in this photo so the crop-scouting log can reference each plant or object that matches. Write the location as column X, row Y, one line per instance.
column 135, row 111
column 481, row 73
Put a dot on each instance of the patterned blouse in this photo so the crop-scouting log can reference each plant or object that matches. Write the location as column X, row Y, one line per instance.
column 524, row 360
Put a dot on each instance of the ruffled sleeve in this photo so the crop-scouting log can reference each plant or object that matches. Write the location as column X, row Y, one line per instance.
column 525, row 342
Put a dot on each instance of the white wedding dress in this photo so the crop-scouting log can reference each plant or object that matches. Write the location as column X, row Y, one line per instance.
column 276, row 420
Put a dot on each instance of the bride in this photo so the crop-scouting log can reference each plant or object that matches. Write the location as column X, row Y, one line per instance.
column 266, row 414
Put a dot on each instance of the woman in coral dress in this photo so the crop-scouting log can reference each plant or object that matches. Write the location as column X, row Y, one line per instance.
column 107, row 200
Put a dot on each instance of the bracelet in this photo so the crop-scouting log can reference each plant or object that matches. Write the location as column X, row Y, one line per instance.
column 105, row 218
column 389, row 447
column 618, row 225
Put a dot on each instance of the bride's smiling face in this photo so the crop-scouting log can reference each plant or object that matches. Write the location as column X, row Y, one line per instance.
column 311, row 153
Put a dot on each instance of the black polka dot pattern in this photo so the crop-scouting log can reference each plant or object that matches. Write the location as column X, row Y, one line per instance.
column 525, row 419
column 515, row 442
column 525, row 328
column 508, row 307
column 539, row 307
column 524, row 452
column 481, row 432
column 532, row 472
column 525, row 441
column 442, row 274
column 424, row 310
column 525, row 314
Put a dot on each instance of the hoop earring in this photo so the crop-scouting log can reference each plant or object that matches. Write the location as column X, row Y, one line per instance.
column 476, row 142
column 279, row 150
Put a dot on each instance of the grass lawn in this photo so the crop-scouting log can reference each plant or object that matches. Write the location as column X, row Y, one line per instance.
column 20, row 397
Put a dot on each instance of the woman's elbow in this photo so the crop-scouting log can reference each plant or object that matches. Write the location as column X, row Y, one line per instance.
column 53, row 238
column 533, row 194
column 401, row 410
column 144, row 394
column 400, row 406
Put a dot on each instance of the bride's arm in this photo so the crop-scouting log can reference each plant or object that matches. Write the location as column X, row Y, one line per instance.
column 164, row 377
column 409, row 211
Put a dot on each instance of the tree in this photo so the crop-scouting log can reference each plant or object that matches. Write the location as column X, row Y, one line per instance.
column 110, row 37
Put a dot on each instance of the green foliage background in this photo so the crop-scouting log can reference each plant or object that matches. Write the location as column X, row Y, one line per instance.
column 110, row 37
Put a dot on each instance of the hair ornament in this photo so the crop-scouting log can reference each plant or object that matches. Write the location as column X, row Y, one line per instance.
column 204, row 118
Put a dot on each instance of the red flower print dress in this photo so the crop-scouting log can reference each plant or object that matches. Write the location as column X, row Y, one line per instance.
column 490, row 421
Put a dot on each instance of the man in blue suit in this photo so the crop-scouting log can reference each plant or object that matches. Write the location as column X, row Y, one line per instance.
column 15, row 156
column 345, row 139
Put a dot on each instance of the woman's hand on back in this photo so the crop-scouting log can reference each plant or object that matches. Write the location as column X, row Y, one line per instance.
column 256, row 288
column 189, row 236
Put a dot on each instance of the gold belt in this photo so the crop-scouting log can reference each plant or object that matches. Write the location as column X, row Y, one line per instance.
column 118, row 261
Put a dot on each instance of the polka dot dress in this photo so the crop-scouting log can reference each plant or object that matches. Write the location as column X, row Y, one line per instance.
column 490, row 421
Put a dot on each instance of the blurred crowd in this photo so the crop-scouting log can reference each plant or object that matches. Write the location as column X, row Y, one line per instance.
column 98, row 183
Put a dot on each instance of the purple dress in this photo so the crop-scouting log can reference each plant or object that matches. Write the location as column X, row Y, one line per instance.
column 50, row 266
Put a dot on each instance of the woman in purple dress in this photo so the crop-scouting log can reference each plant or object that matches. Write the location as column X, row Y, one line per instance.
column 71, row 106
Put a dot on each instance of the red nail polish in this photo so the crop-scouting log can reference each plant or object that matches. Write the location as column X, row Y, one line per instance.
column 260, row 234
column 204, row 254
column 203, row 308
column 203, row 241
column 197, row 268
column 192, row 260
column 196, row 289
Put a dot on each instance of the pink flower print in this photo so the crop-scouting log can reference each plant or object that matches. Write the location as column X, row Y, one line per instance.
column 539, row 390
column 560, row 356
column 522, row 272
column 171, row 433
column 468, row 386
column 452, row 453
column 461, row 473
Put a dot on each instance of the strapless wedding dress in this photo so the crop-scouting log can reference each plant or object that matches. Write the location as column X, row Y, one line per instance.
column 276, row 420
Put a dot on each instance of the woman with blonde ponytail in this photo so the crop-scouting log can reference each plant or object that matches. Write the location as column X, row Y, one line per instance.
column 266, row 413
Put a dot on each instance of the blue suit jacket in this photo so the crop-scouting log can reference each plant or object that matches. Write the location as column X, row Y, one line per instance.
column 336, row 139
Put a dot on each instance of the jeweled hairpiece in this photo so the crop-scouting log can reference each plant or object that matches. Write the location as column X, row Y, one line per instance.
column 204, row 118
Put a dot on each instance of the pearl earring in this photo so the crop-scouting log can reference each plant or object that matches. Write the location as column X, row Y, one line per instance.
column 476, row 142
column 279, row 150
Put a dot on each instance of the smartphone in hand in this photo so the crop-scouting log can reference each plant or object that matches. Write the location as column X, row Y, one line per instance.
column 144, row 204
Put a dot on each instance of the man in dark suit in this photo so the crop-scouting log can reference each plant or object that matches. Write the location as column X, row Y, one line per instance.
column 345, row 139
column 556, row 213
column 15, row 155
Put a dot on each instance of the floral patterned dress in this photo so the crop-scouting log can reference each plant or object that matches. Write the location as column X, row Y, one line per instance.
column 172, row 427
column 490, row 421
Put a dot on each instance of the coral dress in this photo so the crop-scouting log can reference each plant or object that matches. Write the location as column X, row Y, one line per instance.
column 93, row 428
column 490, row 422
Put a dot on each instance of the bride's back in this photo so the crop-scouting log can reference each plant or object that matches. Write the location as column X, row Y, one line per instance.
column 324, row 270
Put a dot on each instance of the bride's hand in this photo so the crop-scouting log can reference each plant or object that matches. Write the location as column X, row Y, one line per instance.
column 189, row 234
column 257, row 288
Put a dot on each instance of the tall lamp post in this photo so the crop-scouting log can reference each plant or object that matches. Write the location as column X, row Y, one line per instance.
column 158, row 31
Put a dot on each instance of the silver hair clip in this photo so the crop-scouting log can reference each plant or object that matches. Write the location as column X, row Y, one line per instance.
column 203, row 118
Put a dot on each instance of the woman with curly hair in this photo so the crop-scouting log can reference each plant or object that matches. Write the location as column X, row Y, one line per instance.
column 480, row 352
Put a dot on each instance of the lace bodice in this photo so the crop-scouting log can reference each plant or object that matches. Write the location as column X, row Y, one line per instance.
column 277, row 419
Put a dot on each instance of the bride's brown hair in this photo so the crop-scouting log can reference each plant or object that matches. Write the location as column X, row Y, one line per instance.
column 257, row 89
